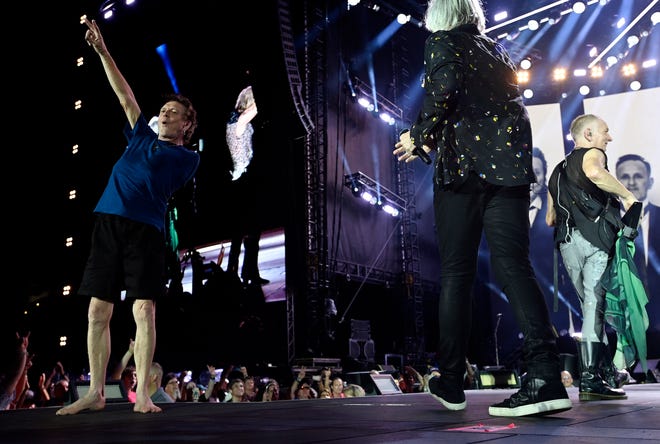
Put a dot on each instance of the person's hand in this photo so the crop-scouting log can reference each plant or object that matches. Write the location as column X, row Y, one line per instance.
column 28, row 362
column 93, row 36
column 212, row 373
column 59, row 368
column 301, row 373
column 404, row 148
column 131, row 345
column 628, row 201
column 22, row 342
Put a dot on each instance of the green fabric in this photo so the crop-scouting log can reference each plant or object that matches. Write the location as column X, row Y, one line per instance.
column 625, row 303
column 173, row 236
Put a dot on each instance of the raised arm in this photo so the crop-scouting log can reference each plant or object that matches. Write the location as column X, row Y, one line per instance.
column 117, row 81
column 116, row 373
column 18, row 360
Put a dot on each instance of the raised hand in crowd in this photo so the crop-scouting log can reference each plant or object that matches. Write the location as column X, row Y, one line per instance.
column 15, row 371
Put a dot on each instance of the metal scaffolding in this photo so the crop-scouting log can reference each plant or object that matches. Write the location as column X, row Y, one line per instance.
column 309, row 95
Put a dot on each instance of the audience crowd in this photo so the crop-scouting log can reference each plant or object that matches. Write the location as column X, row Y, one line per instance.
column 23, row 386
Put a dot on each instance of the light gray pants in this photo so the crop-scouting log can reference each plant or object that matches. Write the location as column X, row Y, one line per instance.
column 585, row 265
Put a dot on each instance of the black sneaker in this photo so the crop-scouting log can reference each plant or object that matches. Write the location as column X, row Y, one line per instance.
column 536, row 397
column 450, row 395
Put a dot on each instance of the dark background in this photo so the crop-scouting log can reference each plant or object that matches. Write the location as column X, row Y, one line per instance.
column 216, row 48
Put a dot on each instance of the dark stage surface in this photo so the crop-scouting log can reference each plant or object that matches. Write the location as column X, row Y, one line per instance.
column 410, row 418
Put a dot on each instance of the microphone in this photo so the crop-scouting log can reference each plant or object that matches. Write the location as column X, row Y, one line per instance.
column 419, row 152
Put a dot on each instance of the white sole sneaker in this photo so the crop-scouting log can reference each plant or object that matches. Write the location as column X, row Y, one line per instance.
column 449, row 405
column 539, row 408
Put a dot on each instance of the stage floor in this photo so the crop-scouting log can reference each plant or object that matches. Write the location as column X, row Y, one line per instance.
column 409, row 418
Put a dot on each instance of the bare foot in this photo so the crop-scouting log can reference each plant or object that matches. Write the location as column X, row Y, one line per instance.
column 91, row 401
column 146, row 407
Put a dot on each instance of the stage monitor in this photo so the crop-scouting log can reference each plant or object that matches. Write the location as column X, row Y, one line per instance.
column 114, row 391
column 385, row 384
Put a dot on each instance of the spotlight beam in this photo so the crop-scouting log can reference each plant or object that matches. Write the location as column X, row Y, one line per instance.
column 162, row 52
column 624, row 32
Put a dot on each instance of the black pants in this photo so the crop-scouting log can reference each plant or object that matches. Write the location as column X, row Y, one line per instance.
column 250, row 240
column 502, row 213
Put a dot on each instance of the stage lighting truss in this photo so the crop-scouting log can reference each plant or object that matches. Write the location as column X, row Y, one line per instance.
column 377, row 195
column 381, row 106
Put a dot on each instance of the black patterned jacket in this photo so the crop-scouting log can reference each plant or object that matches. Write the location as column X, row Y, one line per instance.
column 472, row 110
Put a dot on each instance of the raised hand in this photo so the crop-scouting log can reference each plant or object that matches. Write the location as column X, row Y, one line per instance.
column 93, row 36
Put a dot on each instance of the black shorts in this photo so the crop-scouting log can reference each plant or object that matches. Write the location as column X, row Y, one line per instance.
column 124, row 255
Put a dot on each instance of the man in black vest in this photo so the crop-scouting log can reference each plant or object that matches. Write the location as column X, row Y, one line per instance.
column 585, row 252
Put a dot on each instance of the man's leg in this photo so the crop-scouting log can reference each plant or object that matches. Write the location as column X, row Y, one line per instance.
column 234, row 253
column 458, row 244
column 506, row 226
column 98, row 350
column 250, row 271
column 144, row 313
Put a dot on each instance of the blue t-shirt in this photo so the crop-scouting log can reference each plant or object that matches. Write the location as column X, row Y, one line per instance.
column 145, row 176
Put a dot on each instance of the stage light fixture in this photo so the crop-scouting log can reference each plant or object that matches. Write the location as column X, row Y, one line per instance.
column 500, row 16
column 402, row 19
column 108, row 9
column 579, row 7
column 386, row 109
column 390, row 210
column 632, row 41
column 554, row 20
column 377, row 195
column 649, row 63
column 355, row 188
column 386, row 118
column 620, row 23
column 559, row 74
column 628, row 70
column 533, row 25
